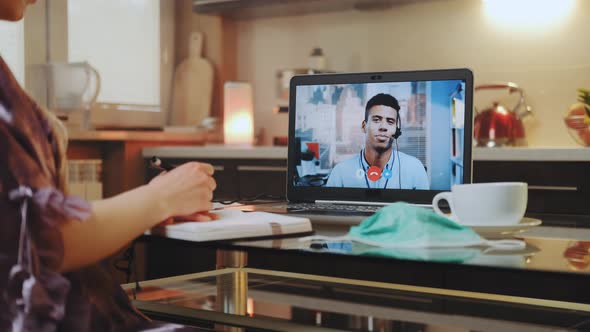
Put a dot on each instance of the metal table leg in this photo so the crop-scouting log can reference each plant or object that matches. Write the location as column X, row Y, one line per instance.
column 232, row 288
column 231, row 259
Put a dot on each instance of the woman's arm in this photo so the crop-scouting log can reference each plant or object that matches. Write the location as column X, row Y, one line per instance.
column 118, row 220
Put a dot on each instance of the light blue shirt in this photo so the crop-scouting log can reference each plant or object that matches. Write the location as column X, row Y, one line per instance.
column 350, row 174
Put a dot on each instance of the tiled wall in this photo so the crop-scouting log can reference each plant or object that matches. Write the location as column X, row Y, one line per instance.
column 549, row 59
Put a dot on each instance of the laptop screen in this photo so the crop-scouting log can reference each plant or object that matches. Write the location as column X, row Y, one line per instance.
column 380, row 135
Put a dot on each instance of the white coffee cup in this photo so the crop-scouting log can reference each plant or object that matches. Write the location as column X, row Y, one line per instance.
column 485, row 204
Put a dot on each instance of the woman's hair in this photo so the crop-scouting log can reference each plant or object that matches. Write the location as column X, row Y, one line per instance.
column 61, row 137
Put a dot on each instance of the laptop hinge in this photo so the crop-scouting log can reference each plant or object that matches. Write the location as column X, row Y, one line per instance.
column 365, row 203
column 351, row 202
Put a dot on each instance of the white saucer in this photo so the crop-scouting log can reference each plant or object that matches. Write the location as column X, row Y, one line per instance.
column 495, row 231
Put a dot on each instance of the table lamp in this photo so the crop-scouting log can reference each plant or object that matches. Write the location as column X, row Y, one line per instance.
column 238, row 118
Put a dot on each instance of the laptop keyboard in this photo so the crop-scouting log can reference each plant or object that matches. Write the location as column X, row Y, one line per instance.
column 329, row 208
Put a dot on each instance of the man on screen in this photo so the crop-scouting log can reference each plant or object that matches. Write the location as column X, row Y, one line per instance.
column 378, row 166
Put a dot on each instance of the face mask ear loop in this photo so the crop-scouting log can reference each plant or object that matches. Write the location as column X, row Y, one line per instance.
column 325, row 238
column 504, row 245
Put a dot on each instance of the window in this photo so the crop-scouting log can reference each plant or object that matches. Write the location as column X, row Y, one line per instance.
column 121, row 39
column 12, row 47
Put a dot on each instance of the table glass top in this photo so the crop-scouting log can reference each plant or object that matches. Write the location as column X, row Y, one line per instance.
column 283, row 301
column 547, row 248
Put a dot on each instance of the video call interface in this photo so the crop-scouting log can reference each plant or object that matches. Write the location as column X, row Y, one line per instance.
column 386, row 135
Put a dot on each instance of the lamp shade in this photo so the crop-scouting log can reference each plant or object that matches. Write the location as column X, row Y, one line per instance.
column 238, row 113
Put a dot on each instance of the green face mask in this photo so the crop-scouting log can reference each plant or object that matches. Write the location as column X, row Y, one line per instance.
column 404, row 231
column 401, row 225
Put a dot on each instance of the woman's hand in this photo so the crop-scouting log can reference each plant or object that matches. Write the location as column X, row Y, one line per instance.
column 185, row 190
column 115, row 221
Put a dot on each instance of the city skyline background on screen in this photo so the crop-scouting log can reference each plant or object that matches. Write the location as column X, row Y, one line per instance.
column 328, row 119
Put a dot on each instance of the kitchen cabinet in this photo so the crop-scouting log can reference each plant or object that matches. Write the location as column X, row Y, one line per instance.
column 558, row 178
column 240, row 173
column 245, row 9
column 555, row 187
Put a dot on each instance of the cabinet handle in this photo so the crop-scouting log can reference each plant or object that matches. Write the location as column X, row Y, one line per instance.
column 262, row 168
column 554, row 188
column 212, row 2
column 218, row 168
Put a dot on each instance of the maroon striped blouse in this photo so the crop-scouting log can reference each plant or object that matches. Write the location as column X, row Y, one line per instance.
column 34, row 296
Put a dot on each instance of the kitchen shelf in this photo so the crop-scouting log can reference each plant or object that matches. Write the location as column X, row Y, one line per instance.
column 248, row 9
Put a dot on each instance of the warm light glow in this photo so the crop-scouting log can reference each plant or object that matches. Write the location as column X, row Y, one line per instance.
column 238, row 119
column 250, row 307
column 528, row 14
column 238, row 128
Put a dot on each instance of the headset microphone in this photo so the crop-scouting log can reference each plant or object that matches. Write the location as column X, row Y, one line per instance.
column 398, row 127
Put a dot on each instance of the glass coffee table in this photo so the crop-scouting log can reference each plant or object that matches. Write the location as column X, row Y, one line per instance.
column 292, row 284
column 247, row 299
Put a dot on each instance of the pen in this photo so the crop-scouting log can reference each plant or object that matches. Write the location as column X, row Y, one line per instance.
column 157, row 163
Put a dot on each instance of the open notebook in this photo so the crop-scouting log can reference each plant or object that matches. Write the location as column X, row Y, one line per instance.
column 234, row 224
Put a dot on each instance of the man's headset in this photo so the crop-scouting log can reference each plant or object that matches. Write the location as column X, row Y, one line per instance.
column 398, row 126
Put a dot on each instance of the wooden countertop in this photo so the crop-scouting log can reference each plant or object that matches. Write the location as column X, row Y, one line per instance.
column 137, row 135
column 218, row 152
column 272, row 152
column 532, row 154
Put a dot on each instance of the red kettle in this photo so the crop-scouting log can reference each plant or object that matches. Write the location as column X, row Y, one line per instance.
column 499, row 125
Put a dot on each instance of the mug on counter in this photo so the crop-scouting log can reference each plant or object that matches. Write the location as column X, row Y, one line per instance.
column 485, row 204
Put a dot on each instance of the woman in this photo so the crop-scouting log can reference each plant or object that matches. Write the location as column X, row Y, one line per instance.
column 50, row 242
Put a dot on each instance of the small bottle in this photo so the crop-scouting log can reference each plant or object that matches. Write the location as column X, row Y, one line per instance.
column 317, row 60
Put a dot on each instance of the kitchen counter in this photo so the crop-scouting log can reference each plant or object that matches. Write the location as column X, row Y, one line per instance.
column 136, row 135
column 218, row 152
column 272, row 152
column 532, row 154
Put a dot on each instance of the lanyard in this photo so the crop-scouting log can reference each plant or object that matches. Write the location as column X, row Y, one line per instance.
column 361, row 156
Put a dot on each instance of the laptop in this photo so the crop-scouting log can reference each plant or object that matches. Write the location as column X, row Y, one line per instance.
column 360, row 141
